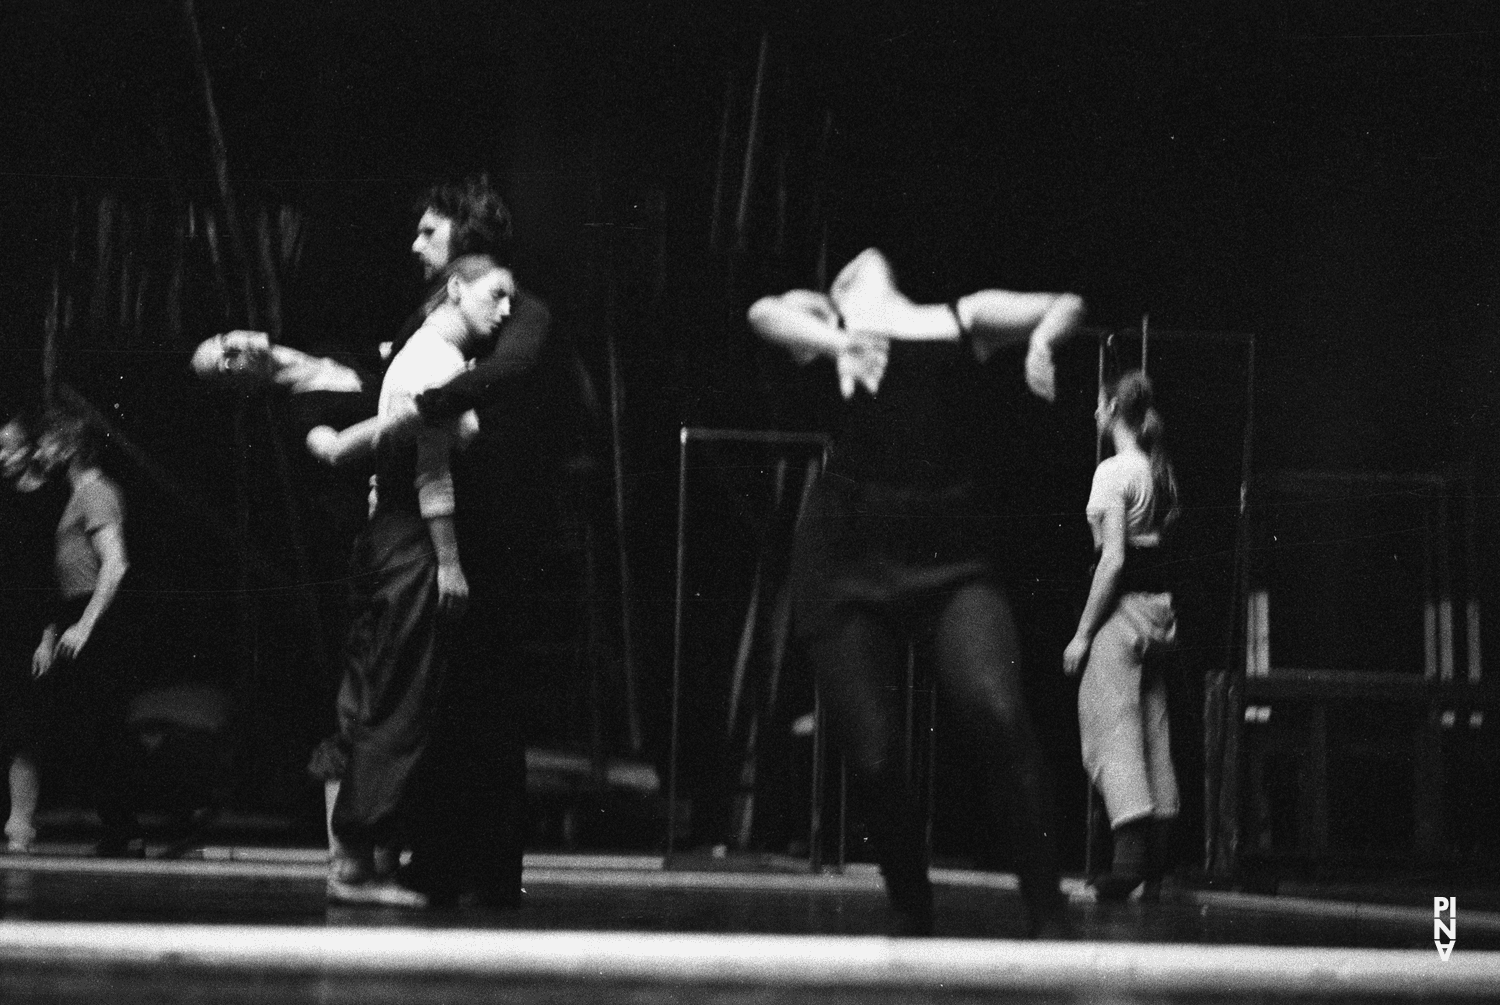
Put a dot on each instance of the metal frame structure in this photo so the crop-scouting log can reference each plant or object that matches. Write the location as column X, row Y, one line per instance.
column 1445, row 687
column 688, row 435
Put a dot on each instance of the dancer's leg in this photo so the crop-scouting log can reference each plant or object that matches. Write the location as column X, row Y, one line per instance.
column 25, row 791
column 979, row 670
column 858, row 657
column 1109, row 722
column 1111, row 719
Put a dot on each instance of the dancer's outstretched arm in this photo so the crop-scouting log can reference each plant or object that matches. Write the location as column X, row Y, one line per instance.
column 864, row 312
column 356, row 444
column 804, row 323
column 343, row 447
column 997, row 318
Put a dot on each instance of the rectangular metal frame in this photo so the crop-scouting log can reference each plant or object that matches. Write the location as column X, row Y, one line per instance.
column 688, row 435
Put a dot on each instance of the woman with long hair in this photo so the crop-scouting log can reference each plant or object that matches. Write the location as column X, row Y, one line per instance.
column 1128, row 618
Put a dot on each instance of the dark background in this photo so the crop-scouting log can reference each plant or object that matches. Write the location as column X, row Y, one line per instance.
column 1322, row 175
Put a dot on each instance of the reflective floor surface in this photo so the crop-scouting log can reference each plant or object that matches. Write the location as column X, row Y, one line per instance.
column 253, row 925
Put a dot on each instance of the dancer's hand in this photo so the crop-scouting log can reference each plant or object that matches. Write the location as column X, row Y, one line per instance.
column 1076, row 655
column 467, row 429
column 1041, row 370
column 863, row 361
column 72, row 642
column 322, row 443
column 41, row 660
column 453, row 590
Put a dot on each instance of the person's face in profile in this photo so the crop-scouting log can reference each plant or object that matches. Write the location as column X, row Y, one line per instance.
column 433, row 244
column 483, row 302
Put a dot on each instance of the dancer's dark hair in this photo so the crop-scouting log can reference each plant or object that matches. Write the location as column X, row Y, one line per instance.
column 81, row 436
column 481, row 221
column 1134, row 402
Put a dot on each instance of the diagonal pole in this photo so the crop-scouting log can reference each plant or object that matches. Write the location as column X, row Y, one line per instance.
column 249, row 640
column 617, row 454
column 247, row 615
column 1146, row 344
column 221, row 161
column 752, row 147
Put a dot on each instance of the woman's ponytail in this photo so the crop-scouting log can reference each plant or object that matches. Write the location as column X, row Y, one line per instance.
column 1134, row 405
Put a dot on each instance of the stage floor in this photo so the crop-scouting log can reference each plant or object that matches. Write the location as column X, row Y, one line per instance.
column 252, row 925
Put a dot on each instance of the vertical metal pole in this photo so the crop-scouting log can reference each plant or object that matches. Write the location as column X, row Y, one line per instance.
column 843, row 775
column 1444, row 587
column 1429, row 598
column 1223, row 718
column 909, row 739
column 1471, row 563
column 932, row 703
column 815, row 811
column 820, row 726
column 843, row 764
column 843, row 813
column 677, row 639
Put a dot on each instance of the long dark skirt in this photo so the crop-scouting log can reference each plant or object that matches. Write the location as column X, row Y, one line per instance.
column 395, row 662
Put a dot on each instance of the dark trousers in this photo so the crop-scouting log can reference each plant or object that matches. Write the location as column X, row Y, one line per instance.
column 860, row 661
column 73, row 718
column 395, row 665
column 880, row 571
